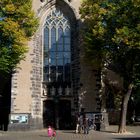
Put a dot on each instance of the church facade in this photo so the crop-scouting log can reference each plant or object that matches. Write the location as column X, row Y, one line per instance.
column 53, row 84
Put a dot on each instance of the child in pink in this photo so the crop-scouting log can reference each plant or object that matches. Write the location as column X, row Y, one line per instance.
column 50, row 131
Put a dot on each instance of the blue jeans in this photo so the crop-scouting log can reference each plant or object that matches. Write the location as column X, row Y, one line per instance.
column 86, row 129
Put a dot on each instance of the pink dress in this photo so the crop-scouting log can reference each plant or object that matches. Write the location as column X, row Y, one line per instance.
column 50, row 132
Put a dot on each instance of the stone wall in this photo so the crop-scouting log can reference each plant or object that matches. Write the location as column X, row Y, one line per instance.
column 27, row 89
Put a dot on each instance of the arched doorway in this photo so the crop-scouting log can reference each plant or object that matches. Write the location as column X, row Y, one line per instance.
column 57, row 114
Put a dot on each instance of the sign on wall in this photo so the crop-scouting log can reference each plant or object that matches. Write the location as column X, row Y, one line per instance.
column 19, row 118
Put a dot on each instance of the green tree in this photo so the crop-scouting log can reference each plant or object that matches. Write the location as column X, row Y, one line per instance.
column 111, row 40
column 18, row 23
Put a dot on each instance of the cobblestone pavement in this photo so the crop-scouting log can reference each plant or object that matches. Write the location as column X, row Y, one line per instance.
column 110, row 134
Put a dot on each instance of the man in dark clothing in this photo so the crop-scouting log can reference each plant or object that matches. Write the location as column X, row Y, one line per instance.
column 86, row 125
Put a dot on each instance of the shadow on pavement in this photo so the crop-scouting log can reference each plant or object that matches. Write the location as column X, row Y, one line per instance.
column 43, row 136
column 132, row 138
column 73, row 132
column 69, row 131
column 107, row 131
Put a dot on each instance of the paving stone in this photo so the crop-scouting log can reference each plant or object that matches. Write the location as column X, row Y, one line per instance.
column 110, row 134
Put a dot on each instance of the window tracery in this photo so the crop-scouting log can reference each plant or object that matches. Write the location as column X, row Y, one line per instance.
column 57, row 50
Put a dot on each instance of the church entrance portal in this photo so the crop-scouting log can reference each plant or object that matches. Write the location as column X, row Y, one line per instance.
column 57, row 114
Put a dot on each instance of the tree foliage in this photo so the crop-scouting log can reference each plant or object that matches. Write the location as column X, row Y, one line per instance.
column 111, row 38
column 17, row 24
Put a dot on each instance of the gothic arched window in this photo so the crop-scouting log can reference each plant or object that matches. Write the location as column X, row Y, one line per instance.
column 57, row 48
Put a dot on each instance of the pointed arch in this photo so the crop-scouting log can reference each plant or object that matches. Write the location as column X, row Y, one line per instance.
column 57, row 48
column 65, row 7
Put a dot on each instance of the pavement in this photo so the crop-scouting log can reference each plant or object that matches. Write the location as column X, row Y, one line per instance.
column 109, row 134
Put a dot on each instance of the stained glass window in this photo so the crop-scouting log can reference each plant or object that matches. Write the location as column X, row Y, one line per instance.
column 57, row 48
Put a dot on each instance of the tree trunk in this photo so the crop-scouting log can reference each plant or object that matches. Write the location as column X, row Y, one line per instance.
column 104, row 121
column 102, row 92
column 5, row 100
column 122, row 126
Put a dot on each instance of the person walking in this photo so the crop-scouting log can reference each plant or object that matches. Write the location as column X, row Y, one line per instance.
column 86, row 124
column 78, row 124
column 51, row 132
